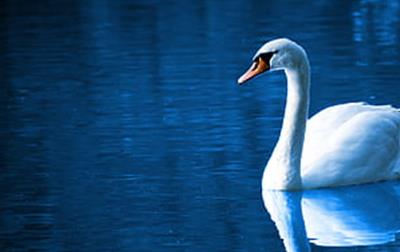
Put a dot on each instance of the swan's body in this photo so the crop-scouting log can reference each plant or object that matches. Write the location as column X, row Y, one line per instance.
column 352, row 143
column 345, row 144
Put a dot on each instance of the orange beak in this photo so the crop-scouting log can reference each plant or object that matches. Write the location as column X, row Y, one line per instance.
column 259, row 66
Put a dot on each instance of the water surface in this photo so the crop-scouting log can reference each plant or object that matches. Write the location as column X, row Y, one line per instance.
column 122, row 127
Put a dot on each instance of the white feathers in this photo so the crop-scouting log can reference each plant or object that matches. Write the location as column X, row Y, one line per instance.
column 345, row 144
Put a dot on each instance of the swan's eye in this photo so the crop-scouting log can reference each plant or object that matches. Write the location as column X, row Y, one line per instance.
column 267, row 56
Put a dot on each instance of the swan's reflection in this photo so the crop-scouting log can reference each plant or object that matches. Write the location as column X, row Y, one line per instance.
column 348, row 216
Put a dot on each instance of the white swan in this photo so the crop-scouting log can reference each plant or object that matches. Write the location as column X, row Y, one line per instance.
column 346, row 144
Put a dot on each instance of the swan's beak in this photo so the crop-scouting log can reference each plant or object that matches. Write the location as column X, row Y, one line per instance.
column 259, row 66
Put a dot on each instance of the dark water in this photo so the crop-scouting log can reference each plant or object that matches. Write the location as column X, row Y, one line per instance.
column 122, row 127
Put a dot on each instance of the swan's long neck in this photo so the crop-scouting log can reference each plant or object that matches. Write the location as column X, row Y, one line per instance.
column 283, row 169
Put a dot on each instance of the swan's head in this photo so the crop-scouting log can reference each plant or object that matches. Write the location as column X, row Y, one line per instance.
column 277, row 54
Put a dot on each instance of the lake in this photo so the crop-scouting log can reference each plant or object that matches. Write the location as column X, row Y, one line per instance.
column 122, row 127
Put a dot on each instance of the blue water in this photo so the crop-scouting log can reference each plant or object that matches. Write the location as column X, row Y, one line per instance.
column 122, row 127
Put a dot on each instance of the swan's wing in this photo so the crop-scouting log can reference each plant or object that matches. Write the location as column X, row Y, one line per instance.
column 323, row 124
column 333, row 117
column 349, row 144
